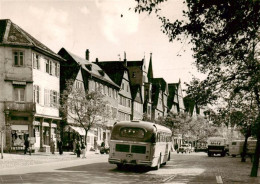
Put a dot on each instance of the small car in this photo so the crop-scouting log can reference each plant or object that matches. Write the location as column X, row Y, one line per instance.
column 184, row 148
column 104, row 149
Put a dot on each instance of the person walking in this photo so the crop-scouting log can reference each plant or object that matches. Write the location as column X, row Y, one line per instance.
column 83, row 148
column 60, row 144
column 52, row 146
column 26, row 146
column 78, row 148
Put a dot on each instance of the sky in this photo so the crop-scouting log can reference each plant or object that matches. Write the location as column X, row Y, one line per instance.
column 108, row 28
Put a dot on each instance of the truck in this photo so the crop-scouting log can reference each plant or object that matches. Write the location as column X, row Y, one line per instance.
column 216, row 145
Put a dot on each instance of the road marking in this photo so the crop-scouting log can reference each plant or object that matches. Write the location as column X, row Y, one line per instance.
column 169, row 178
column 219, row 180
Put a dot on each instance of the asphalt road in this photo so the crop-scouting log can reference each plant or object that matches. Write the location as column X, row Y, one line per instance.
column 182, row 168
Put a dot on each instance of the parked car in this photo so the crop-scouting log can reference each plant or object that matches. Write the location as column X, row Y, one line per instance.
column 104, row 149
column 184, row 148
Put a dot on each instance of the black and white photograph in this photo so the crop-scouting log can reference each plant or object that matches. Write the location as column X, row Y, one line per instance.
column 130, row 91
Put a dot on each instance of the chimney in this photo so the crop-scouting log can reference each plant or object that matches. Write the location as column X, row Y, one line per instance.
column 87, row 54
column 96, row 60
column 125, row 61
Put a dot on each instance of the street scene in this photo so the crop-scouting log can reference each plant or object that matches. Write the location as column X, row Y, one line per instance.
column 133, row 91
column 194, row 168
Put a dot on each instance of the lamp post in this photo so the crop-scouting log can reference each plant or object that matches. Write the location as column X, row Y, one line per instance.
column 2, row 142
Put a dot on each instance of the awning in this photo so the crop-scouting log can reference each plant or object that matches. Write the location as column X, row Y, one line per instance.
column 80, row 130
column 91, row 135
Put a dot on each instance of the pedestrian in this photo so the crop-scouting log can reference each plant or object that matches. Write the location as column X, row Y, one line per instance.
column 60, row 144
column 52, row 146
column 26, row 146
column 74, row 146
column 78, row 150
column 83, row 148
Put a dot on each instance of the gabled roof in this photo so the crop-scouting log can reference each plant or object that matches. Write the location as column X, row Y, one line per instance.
column 161, row 82
column 150, row 70
column 135, row 63
column 135, row 89
column 13, row 35
column 92, row 68
column 189, row 104
column 114, row 69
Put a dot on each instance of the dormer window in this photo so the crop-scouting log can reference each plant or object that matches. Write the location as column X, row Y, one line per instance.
column 101, row 72
column 89, row 66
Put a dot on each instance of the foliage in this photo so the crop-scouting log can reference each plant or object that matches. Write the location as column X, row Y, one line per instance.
column 82, row 108
column 225, row 39
column 192, row 129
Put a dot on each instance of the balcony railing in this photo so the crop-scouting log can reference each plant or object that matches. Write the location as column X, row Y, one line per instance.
column 20, row 106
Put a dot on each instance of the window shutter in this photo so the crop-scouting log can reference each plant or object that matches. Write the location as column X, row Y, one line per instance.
column 58, row 70
column 51, row 98
column 40, row 100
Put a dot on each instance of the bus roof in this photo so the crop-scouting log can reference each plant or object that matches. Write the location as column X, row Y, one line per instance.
column 143, row 124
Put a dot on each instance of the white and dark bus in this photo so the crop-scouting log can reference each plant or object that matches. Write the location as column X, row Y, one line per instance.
column 139, row 143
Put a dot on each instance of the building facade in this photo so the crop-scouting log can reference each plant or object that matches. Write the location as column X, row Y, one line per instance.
column 93, row 79
column 29, row 89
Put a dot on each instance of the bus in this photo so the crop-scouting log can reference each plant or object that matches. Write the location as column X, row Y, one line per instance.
column 140, row 143
column 217, row 145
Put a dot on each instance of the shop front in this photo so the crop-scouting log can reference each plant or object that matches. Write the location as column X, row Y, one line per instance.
column 45, row 130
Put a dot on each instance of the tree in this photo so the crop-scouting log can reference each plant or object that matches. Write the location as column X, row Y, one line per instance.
column 191, row 129
column 85, row 109
column 225, row 39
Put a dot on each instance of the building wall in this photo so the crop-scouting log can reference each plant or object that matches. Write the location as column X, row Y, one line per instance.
column 12, row 76
column 48, row 82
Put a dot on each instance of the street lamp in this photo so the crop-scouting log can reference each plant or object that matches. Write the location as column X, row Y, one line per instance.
column 2, row 141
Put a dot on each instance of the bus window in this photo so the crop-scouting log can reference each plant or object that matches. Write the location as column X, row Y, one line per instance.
column 132, row 132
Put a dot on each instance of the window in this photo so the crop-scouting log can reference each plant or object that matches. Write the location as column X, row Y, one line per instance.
column 18, row 58
column 47, row 66
column 132, row 132
column 36, row 94
column 104, row 89
column 51, row 67
column 58, row 70
column 53, row 98
column 127, row 88
column 19, row 93
column 109, row 92
column 46, row 97
column 36, row 61
column 123, row 87
column 129, row 103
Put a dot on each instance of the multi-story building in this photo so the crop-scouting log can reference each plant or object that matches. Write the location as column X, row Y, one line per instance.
column 148, row 92
column 118, row 72
column 137, row 103
column 29, row 80
column 161, row 87
column 93, row 78
column 175, row 99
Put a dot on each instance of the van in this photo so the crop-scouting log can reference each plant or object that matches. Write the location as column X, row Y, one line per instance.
column 236, row 147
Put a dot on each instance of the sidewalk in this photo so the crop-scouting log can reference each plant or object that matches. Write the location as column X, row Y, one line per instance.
column 10, row 161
